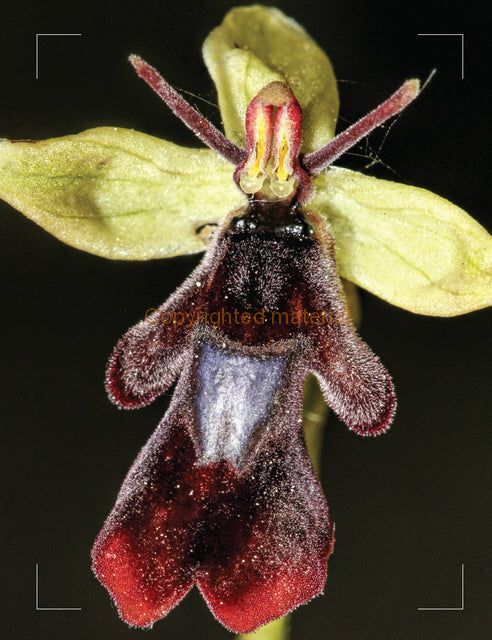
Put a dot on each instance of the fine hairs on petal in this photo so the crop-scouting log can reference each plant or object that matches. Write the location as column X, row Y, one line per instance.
column 200, row 126
column 315, row 162
column 224, row 495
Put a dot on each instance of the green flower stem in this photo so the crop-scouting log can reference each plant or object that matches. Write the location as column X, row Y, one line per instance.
column 276, row 630
column 314, row 415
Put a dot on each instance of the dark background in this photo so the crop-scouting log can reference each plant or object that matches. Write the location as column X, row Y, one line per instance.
column 411, row 506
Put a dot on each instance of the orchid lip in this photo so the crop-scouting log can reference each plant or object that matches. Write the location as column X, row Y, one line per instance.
column 224, row 495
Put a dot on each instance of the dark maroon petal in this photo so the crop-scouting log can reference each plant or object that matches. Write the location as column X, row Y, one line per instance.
column 354, row 382
column 356, row 385
column 143, row 365
column 142, row 553
column 149, row 357
column 224, row 493
column 243, row 517
column 272, row 556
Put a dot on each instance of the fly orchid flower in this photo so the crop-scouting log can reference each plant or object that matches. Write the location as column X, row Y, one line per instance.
column 224, row 495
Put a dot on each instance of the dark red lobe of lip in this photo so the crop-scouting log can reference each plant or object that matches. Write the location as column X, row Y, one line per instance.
column 255, row 540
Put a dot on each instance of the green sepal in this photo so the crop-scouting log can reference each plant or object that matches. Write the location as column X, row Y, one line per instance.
column 405, row 244
column 257, row 45
column 118, row 193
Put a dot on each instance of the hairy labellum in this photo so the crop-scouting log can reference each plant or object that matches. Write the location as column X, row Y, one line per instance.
column 224, row 494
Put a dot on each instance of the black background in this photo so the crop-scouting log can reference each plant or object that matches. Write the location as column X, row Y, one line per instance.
column 411, row 506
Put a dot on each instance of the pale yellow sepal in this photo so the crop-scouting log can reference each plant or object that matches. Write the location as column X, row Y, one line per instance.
column 257, row 45
column 118, row 193
column 405, row 244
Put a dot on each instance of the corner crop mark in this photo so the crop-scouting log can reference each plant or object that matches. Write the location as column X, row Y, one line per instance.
column 37, row 46
column 462, row 608
column 38, row 608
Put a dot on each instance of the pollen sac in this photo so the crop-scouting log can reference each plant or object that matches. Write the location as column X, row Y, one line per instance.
column 271, row 169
